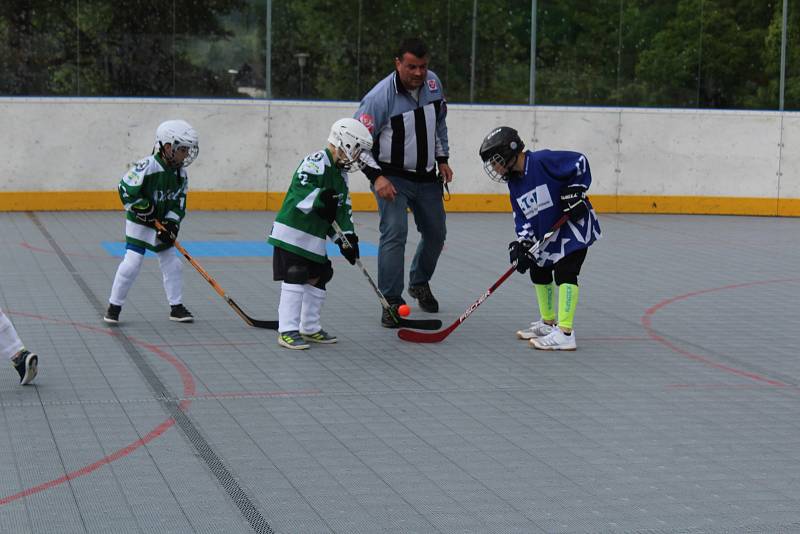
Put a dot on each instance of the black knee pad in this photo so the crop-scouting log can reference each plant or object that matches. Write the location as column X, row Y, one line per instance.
column 296, row 274
column 569, row 267
column 541, row 275
column 325, row 276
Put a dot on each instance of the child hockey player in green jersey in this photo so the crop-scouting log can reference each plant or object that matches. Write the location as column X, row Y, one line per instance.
column 155, row 189
column 24, row 361
column 543, row 186
column 317, row 196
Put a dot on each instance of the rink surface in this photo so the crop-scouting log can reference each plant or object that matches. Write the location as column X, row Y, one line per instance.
column 678, row 413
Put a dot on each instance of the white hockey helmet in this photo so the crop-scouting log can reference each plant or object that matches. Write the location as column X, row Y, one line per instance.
column 351, row 138
column 178, row 133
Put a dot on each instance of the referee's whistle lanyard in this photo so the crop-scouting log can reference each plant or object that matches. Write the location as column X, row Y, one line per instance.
column 445, row 189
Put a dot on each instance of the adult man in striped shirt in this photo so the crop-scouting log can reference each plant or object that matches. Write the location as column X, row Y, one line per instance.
column 406, row 112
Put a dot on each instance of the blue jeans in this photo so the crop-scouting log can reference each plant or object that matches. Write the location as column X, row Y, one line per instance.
column 425, row 202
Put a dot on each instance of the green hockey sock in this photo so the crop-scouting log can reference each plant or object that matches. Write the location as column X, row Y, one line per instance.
column 567, row 302
column 544, row 295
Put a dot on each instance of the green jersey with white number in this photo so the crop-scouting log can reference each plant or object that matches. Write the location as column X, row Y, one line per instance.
column 153, row 180
column 297, row 227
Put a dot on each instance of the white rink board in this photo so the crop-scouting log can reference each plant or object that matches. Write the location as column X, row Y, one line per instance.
column 297, row 129
column 86, row 144
column 699, row 153
column 790, row 160
column 591, row 131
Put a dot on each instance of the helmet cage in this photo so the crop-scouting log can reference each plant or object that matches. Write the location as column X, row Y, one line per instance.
column 495, row 161
column 353, row 158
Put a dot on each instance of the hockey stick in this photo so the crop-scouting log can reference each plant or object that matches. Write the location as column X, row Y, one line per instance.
column 420, row 324
column 436, row 337
column 269, row 325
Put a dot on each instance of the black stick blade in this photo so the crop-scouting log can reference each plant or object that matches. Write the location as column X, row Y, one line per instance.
column 420, row 324
column 269, row 325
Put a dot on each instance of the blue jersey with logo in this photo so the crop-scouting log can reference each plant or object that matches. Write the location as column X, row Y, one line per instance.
column 535, row 199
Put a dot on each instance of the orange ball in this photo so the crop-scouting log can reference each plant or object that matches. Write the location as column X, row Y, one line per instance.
column 403, row 310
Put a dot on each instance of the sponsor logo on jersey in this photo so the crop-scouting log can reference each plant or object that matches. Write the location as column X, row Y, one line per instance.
column 161, row 196
column 432, row 85
column 368, row 121
column 140, row 166
column 532, row 202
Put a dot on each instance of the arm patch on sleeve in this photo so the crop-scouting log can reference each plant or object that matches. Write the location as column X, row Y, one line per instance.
column 133, row 178
column 314, row 164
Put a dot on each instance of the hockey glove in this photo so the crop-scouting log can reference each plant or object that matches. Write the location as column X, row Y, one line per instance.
column 330, row 203
column 170, row 232
column 518, row 251
column 143, row 209
column 350, row 253
column 573, row 201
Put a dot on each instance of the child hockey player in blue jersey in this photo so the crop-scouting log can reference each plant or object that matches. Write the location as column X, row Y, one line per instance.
column 544, row 185
column 155, row 189
column 317, row 196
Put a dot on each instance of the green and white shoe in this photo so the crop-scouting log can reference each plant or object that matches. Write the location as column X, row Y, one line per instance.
column 292, row 340
column 320, row 337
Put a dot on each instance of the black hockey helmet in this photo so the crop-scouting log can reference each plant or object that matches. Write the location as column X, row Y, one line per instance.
column 500, row 149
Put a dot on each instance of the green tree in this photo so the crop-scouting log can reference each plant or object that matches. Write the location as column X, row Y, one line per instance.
column 708, row 55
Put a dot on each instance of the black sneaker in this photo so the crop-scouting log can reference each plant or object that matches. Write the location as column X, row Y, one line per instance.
column 425, row 298
column 27, row 365
column 387, row 321
column 112, row 314
column 181, row 314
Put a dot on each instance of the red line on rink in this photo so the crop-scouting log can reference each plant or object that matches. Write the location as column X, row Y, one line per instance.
column 259, row 394
column 188, row 391
column 647, row 323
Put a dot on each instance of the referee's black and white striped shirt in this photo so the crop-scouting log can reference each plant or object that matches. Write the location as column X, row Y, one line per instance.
column 410, row 135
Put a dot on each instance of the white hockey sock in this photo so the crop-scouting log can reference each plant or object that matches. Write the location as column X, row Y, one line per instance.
column 172, row 272
column 313, row 299
column 290, row 307
column 10, row 343
column 127, row 272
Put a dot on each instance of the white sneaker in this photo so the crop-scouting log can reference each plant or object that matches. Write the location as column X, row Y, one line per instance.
column 555, row 340
column 537, row 329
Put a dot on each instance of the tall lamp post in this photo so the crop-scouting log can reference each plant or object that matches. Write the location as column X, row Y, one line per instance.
column 302, row 59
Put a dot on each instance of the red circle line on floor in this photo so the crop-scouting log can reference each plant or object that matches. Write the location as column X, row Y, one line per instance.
column 188, row 391
column 647, row 323
column 189, row 387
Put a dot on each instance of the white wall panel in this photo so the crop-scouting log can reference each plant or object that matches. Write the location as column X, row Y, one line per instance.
column 591, row 131
column 78, row 144
column 296, row 130
column 699, row 153
column 88, row 144
column 790, row 165
column 467, row 126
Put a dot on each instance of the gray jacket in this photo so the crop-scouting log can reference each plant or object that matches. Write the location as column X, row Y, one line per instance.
column 409, row 136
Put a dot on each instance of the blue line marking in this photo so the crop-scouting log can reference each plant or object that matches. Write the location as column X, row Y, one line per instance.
column 232, row 249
